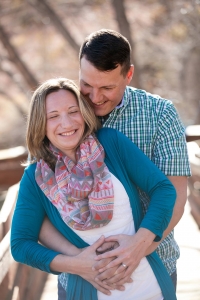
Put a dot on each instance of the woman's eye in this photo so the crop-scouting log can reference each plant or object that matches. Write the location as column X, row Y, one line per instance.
column 52, row 117
column 73, row 112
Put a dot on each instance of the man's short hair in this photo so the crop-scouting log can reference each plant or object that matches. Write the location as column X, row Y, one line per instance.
column 106, row 50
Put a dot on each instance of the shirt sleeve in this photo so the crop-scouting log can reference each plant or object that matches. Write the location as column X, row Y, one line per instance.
column 170, row 148
column 27, row 220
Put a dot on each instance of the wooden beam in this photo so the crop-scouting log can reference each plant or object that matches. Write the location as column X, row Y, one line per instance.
column 5, row 256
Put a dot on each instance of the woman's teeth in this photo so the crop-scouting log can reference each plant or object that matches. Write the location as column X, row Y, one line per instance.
column 68, row 133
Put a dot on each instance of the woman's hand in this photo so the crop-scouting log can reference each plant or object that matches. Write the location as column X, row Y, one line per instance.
column 83, row 263
column 127, row 256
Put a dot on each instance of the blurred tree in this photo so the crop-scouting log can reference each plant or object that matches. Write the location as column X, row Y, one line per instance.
column 15, row 59
column 12, row 100
column 43, row 7
column 43, row 38
column 124, row 28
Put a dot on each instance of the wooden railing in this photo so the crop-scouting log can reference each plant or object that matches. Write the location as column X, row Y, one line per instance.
column 11, row 169
column 193, row 139
column 17, row 281
column 192, row 133
column 194, row 181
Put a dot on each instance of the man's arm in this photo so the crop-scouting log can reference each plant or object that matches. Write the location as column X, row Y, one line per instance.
column 180, row 184
column 51, row 238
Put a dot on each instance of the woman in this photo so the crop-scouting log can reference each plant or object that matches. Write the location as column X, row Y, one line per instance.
column 87, row 190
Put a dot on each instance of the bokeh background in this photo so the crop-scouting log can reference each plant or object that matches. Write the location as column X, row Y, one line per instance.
column 40, row 39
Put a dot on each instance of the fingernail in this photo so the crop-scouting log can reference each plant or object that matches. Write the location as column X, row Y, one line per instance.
column 108, row 293
column 122, row 288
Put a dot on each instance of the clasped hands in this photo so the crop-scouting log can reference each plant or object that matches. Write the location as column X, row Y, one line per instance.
column 117, row 257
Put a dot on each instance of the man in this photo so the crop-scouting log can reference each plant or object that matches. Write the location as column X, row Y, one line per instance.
column 151, row 122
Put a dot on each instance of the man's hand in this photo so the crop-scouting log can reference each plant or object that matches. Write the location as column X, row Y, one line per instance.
column 112, row 275
column 130, row 251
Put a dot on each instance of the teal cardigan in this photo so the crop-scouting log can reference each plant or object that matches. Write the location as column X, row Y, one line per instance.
column 132, row 168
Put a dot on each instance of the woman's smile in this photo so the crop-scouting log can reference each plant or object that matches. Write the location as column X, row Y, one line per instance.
column 68, row 133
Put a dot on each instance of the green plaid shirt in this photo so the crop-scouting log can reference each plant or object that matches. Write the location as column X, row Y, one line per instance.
column 153, row 124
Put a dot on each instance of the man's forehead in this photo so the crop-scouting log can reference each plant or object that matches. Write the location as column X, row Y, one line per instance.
column 92, row 76
column 97, row 82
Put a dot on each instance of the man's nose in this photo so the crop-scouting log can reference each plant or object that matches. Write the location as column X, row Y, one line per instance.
column 95, row 96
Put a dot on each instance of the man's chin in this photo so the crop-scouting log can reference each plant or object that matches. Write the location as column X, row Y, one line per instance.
column 99, row 114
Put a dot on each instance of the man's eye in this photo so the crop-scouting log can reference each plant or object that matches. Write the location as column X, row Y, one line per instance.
column 108, row 88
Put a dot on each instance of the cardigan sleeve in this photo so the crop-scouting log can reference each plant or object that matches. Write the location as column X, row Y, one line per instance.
column 143, row 174
column 27, row 220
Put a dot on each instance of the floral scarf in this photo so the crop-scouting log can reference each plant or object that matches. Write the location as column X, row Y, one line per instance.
column 83, row 191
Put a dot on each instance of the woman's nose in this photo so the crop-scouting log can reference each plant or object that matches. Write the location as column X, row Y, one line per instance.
column 66, row 122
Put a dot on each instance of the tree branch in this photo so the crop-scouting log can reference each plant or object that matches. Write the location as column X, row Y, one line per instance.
column 41, row 5
column 125, row 29
column 14, row 57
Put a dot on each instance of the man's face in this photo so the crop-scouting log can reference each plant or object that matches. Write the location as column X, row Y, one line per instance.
column 103, row 90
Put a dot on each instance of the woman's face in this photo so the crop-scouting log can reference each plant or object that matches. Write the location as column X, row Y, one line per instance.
column 65, row 124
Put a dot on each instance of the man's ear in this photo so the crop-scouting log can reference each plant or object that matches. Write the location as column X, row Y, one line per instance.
column 130, row 73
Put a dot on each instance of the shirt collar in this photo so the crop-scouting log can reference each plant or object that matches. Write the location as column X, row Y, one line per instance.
column 120, row 107
column 120, row 104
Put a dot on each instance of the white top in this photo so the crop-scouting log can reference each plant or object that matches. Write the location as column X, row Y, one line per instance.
column 145, row 285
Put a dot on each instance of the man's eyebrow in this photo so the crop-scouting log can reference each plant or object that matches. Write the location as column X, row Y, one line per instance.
column 85, row 82
column 108, row 86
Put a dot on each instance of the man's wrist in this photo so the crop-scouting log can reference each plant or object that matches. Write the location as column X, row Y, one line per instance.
column 145, row 236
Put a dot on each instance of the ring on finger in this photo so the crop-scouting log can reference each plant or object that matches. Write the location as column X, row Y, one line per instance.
column 124, row 265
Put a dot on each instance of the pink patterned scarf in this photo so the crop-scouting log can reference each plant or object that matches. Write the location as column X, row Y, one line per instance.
column 82, row 192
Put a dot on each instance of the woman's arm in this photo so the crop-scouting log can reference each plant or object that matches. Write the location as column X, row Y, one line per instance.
column 27, row 220
column 81, row 265
column 145, row 175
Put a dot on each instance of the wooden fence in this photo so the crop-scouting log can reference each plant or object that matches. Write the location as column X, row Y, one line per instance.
column 17, row 281
column 193, row 139
column 194, row 181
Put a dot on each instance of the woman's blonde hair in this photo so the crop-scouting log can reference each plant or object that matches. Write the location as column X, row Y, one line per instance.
column 36, row 139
